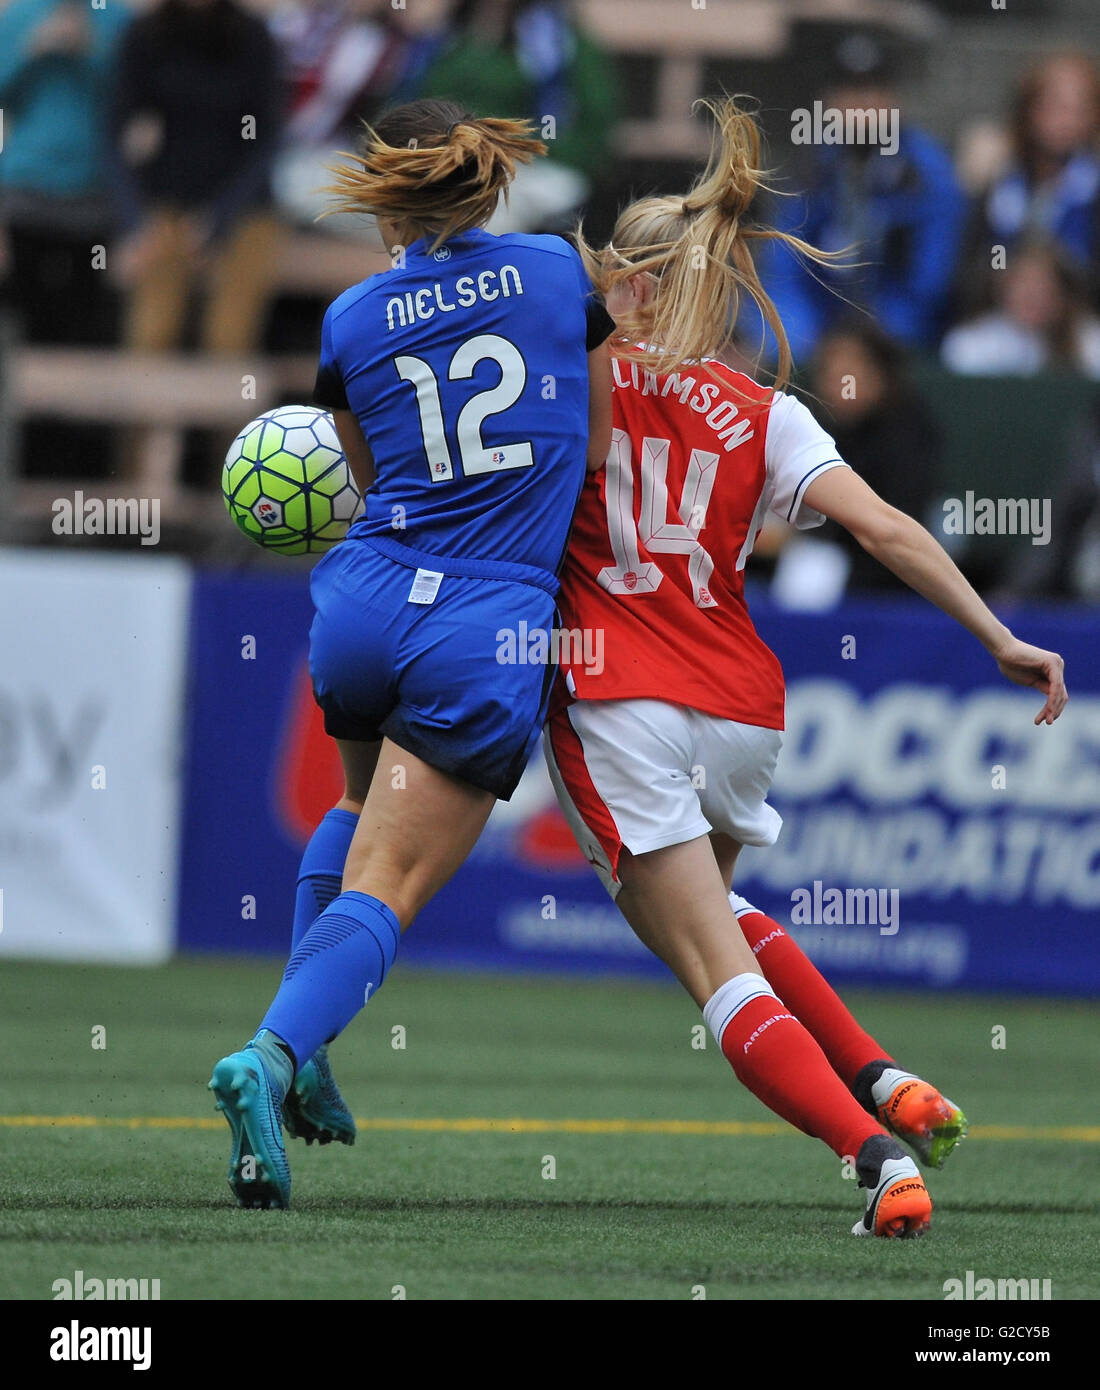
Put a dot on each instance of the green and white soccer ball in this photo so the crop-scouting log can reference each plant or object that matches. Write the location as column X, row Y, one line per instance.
column 287, row 484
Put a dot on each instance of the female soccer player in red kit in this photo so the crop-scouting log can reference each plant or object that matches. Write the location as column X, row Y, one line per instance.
column 699, row 454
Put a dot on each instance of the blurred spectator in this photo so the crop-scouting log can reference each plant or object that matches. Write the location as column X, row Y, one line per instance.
column 900, row 213
column 342, row 59
column 529, row 58
column 882, row 428
column 1041, row 320
column 196, row 118
column 1070, row 566
column 55, row 61
column 1053, row 186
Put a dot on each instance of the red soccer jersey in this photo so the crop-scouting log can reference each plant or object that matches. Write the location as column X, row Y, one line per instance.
column 662, row 533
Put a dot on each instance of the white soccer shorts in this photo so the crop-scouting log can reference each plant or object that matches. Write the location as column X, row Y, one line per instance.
column 643, row 774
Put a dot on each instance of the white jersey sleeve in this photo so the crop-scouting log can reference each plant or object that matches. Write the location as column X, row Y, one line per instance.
column 796, row 451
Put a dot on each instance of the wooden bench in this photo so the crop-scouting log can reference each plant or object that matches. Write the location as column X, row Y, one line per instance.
column 158, row 395
column 316, row 263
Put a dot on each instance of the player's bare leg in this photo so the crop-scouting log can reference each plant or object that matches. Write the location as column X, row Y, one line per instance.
column 912, row 1108
column 726, row 851
column 676, row 901
column 359, row 761
column 416, row 828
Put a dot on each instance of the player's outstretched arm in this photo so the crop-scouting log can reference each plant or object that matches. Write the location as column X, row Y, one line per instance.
column 917, row 558
column 356, row 449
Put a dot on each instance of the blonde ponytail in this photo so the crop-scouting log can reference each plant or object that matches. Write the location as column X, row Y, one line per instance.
column 698, row 249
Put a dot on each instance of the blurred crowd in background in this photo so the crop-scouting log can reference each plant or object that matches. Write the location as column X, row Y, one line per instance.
column 188, row 141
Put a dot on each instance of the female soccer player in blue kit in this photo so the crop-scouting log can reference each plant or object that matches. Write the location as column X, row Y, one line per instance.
column 470, row 385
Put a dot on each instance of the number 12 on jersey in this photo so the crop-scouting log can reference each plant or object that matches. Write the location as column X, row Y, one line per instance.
column 653, row 529
column 475, row 457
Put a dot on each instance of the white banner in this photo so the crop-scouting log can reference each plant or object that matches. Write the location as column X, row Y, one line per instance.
column 92, row 653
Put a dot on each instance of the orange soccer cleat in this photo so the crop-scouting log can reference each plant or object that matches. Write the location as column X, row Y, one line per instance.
column 919, row 1115
column 898, row 1204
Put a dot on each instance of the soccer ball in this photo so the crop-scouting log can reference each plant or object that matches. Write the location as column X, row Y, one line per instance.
column 287, row 484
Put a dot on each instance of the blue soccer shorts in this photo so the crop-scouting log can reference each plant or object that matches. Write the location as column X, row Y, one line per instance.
column 446, row 677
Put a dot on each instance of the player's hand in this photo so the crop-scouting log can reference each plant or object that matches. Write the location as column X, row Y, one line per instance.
column 1027, row 665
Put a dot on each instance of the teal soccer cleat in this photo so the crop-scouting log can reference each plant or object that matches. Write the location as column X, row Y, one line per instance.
column 314, row 1109
column 251, row 1099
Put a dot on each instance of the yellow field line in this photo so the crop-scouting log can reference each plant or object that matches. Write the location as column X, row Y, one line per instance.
column 1063, row 1134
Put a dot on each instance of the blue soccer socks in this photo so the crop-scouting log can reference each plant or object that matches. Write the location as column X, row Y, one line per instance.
column 339, row 964
column 321, row 871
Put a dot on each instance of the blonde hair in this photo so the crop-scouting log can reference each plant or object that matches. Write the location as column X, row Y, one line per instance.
column 697, row 248
column 434, row 166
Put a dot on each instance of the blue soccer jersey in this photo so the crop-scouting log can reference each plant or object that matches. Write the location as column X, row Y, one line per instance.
column 467, row 371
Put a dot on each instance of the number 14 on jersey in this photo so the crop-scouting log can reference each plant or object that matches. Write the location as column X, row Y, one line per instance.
column 654, row 531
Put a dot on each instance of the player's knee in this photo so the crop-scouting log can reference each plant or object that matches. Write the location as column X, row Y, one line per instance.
column 366, row 875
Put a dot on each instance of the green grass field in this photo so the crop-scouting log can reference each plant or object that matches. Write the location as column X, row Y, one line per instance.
column 732, row 1200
